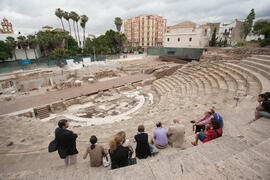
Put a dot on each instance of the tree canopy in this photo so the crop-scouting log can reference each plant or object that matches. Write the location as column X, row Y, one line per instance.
column 248, row 23
column 213, row 41
column 5, row 50
column 104, row 44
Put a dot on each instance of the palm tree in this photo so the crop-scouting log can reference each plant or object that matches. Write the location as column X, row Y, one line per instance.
column 77, row 19
column 84, row 19
column 59, row 13
column 73, row 16
column 118, row 23
column 67, row 17
column 23, row 42
column 13, row 43
column 33, row 43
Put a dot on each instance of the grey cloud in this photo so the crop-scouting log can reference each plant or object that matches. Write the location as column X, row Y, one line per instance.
column 31, row 15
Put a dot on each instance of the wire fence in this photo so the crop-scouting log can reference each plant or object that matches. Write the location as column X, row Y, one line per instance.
column 46, row 62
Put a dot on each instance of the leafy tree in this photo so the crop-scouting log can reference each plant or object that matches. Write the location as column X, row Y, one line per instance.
column 262, row 27
column 84, row 19
column 5, row 50
column 51, row 40
column 72, row 47
column 59, row 13
column 104, row 44
column 247, row 26
column 13, row 44
column 67, row 17
column 213, row 41
column 59, row 53
column 23, row 42
column 33, row 43
column 225, row 42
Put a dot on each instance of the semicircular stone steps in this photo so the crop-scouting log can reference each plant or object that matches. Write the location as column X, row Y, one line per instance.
column 252, row 83
column 258, row 60
column 252, row 79
column 258, row 66
column 264, row 57
column 234, row 158
column 263, row 80
column 239, row 78
column 232, row 84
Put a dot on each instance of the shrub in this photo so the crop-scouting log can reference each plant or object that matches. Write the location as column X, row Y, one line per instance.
column 239, row 44
column 265, row 42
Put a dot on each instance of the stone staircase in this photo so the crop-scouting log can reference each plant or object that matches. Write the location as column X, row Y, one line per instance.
column 241, row 153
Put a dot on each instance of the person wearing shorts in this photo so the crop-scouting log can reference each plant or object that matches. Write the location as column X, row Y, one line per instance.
column 209, row 134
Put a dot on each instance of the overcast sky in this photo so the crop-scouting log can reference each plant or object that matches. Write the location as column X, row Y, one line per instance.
column 31, row 15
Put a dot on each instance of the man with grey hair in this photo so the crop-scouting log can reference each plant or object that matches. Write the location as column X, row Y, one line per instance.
column 176, row 134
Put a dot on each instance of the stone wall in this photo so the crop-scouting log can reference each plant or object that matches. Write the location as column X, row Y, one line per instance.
column 166, row 71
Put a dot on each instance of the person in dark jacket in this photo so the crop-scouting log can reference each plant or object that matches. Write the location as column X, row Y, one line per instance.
column 142, row 147
column 119, row 154
column 66, row 143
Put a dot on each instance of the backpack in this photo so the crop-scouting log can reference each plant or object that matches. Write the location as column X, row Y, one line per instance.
column 218, row 135
column 52, row 146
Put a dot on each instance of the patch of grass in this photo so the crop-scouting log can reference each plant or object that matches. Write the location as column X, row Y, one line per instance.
column 239, row 44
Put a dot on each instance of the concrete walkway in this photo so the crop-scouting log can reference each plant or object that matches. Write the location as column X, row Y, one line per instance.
column 54, row 96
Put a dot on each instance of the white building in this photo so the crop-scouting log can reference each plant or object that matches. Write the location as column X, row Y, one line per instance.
column 187, row 34
column 20, row 53
column 233, row 32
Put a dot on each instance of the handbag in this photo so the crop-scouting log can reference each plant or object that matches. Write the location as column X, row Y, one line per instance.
column 52, row 146
column 105, row 162
column 132, row 161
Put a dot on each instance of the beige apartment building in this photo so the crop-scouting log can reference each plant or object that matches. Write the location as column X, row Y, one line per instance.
column 145, row 30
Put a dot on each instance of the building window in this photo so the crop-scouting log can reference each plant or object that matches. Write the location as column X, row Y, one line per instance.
column 190, row 39
column 168, row 39
column 178, row 39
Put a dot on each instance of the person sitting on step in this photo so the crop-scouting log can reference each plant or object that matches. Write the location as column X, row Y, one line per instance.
column 176, row 134
column 218, row 116
column 201, row 123
column 96, row 153
column 142, row 147
column 210, row 133
column 120, row 155
column 263, row 110
column 160, row 139
column 267, row 95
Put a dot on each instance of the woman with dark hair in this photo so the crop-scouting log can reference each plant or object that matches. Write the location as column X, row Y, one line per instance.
column 142, row 147
column 96, row 153
column 218, row 116
column 209, row 134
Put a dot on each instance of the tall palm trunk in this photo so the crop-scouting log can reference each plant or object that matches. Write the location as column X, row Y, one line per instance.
column 83, row 36
column 14, row 52
column 78, row 34
column 62, row 24
column 69, row 27
column 26, row 55
column 35, row 53
column 75, row 30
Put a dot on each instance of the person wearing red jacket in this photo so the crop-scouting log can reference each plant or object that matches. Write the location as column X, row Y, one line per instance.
column 210, row 133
